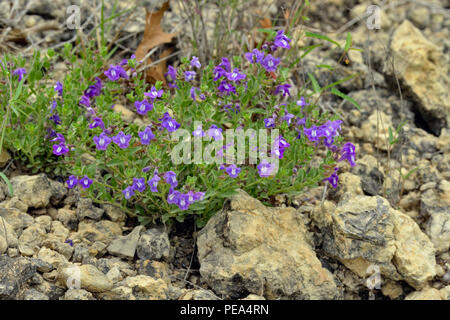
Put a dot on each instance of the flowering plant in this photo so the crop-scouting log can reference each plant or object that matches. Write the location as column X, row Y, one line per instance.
column 138, row 165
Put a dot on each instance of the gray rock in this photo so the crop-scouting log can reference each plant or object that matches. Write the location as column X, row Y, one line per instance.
column 78, row 294
column 9, row 235
column 34, row 191
column 154, row 244
column 125, row 246
column 17, row 219
column 104, row 231
column 31, row 240
column 68, row 218
column 14, row 273
column 365, row 233
column 41, row 265
column 114, row 213
column 249, row 248
column 59, row 191
column 32, row 294
column 88, row 277
column 86, row 209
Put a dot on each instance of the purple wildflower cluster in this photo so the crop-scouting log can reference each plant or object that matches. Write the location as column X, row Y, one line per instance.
column 19, row 72
column 114, row 73
column 91, row 92
column 84, row 182
column 279, row 146
column 328, row 131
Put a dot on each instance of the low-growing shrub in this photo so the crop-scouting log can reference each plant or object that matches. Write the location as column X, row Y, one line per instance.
column 180, row 157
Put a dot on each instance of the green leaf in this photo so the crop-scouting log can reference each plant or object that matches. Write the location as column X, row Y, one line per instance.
column 322, row 37
column 348, row 42
column 325, row 66
column 8, row 183
column 345, row 97
column 314, row 82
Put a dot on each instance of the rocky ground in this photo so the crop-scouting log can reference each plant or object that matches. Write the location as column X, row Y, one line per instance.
column 377, row 236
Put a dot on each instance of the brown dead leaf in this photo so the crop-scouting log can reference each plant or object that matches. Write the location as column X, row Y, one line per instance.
column 153, row 33
column 157, row 72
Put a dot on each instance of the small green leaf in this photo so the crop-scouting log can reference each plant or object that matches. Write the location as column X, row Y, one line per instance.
column 8, row 183
column 314, row 82
column 322, row 37
column 345, row 97
column 348, row 42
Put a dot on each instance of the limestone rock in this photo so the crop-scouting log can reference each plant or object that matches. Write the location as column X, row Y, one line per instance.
column 86, row 209
column 249, row 248
column 153, row 244
column 366, row 233
column 31, row 240
column 125, row 246
column 423, row 69
column 105, row 231
column 77, row 294
column 35, row 191
column 16, row 218
column 425, row 294
column 90, row 278
column 14, row 273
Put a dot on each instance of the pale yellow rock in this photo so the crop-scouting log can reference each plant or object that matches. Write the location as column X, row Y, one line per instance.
column 264, row 250
column 148, row 287
column 425, row 294
column 392, row 289
column 90, row 278
column 3, row 244
column 54, row 258
column 4, row 157
column 127, row 115
column 376, row 130
column 423, row 68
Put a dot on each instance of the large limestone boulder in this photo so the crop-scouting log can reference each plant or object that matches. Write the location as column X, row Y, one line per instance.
column 249, row 248
column 422, row 67
column 366, row 234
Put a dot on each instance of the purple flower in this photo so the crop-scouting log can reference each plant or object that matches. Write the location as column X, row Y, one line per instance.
column 19, row 72
column 95, row 89
column 173, row 196
column 69, row 242
column 153, row 94
column 102, row 141
column 60, row 149
column 300, row 121
column 302, row 102
column 72, row 181
column 114, row 73
column 98, row 122
column 312, row 133
column 128, row 192
column 189, row 75
column 56, row 119
column 198, row 132
column 85, row 101
column 171, row 178
column 54, row 106
column 170, row 124
column 183, row 202
column 284, row 88
column 279, row 146
column 254, row 56
column 195, row 63
column 59, row 88
column 218, row 72
column 269, row 123
column 281, row 40
column 122, row 140
column 172, row 73
column 225, row 64
column 85, row 182
column 153, row 183
column 226, row 87
column 333, row 179
column 235, row 75
column 233, row 171
column 198, row 196
column 190, row 197
column 348, row 153
column 138, row 184
column 265, row 168
column 59, row 138
column 288, row 117
column 142, row 107
column 215, row 132
column 270, row 63
column 146, row 136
